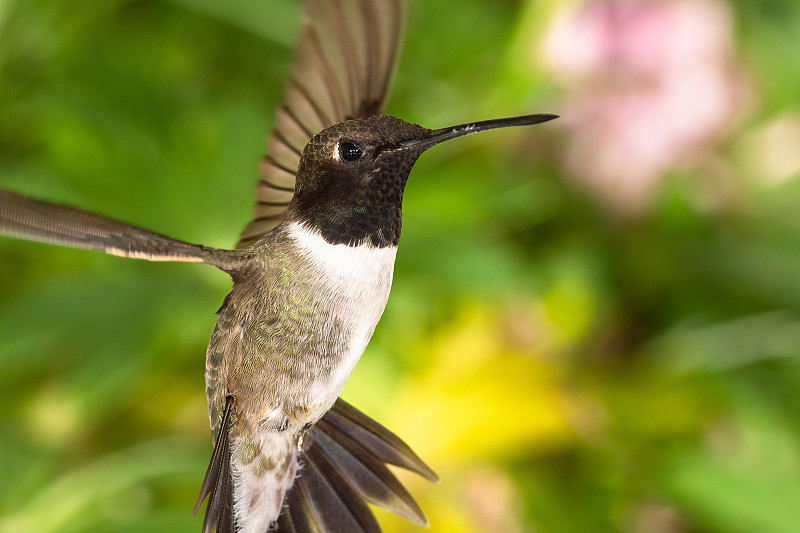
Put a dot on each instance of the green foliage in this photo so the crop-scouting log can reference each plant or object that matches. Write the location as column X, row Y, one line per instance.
column 562, row 368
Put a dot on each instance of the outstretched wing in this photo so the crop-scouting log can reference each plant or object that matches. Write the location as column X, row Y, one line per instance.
column 36, row 220
column 343, row 68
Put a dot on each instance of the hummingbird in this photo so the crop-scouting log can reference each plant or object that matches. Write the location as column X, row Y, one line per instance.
column 311, row 276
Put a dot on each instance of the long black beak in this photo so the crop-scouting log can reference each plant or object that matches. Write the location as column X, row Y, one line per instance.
column 445, row 134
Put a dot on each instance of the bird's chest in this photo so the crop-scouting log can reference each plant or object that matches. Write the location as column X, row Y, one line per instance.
column 351, row 285
column 300, row 342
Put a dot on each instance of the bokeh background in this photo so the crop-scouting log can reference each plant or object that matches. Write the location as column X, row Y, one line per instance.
column 595, row 323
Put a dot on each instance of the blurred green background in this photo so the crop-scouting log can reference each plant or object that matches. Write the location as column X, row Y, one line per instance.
column 594, row 325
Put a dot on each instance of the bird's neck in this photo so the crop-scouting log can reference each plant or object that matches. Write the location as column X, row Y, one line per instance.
column 372, row 224
column 348, row 256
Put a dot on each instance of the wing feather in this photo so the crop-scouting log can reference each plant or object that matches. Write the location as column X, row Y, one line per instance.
column 218, row 482
column 343, row 68
column 36, row 220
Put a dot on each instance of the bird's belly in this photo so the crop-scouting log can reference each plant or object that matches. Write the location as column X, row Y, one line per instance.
column 263, row 468
column 336, row 366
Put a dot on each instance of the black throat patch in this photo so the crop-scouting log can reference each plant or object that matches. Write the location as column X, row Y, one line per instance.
column 352, row 221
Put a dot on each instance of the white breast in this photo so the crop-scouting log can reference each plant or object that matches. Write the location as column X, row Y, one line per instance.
column 358, row 279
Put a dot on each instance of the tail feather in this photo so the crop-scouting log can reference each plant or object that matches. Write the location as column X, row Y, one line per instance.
column 330, row 502
column 294, row 518
column 344, row 458
column 344, row 466
column 382, row 443
column 368, row 475
column 285, row 524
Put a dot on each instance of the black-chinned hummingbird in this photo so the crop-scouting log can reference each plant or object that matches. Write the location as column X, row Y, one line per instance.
column 311, row 277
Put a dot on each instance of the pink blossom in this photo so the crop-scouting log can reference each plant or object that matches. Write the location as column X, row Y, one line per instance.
column 651, row 85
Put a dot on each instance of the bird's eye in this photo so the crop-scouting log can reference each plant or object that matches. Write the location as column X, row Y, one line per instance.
column 350, row 152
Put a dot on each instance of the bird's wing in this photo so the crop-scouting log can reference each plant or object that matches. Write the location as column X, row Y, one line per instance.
column 59, row 224
column 343, row 68
column 218, row 481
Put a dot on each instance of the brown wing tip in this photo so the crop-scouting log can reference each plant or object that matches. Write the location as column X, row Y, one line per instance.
column 218, row 483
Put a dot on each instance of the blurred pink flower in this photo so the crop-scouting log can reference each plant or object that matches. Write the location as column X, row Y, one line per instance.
column 650, row 85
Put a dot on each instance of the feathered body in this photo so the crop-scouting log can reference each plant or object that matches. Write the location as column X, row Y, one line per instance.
column 287, row 339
